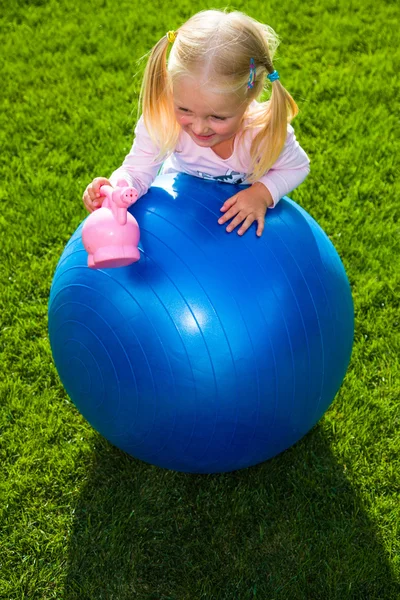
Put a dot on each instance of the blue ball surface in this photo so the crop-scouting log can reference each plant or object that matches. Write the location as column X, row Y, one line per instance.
column 215, row 351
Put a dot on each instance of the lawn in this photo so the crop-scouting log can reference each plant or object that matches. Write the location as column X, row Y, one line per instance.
column 80, row 520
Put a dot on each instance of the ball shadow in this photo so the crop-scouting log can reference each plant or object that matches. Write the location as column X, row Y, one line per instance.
column 293, row 527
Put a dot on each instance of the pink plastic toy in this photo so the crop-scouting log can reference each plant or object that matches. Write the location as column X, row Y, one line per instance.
column 110, row 234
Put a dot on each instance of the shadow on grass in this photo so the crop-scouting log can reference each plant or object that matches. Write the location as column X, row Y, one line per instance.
column 291, row 528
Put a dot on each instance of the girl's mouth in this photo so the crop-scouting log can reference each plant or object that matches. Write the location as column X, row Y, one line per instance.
column 203, row 138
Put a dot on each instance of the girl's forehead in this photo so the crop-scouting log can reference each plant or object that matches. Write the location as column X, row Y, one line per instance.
column 193, row 94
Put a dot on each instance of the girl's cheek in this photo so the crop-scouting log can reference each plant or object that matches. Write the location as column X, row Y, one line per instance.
column 183, row 121
column 221, row 130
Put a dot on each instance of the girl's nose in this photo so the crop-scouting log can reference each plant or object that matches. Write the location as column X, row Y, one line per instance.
column 200, row 128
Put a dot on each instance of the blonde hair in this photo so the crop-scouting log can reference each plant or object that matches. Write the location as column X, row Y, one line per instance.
column 218, row 45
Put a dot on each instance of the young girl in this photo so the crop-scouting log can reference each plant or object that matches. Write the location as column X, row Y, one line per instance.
column 200, row 116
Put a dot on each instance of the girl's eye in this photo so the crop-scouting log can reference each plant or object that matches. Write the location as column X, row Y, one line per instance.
column 183, row 109
column 219, row 118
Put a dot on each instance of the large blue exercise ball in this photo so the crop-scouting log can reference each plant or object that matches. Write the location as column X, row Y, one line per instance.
column 214, row 352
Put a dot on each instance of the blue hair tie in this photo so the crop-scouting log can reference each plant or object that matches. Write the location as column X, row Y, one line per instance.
column 273, row 76
column 252, row 76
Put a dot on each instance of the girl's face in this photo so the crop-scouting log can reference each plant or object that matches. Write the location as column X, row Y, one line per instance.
column 207, row 117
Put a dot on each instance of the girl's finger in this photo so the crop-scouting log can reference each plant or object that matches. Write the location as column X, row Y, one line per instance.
column 88, row 202
column 236, row 221
column 248, row 221
column 228, row 215
column 260, row 227
column 230, row 202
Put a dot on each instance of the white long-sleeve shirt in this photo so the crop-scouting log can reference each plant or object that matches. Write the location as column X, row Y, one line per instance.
column 140, row 167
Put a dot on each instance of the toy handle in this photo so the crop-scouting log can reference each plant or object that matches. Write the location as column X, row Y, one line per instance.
column 119, row 199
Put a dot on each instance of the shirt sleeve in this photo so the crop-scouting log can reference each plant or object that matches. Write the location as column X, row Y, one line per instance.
column 289, row 171
column 140, row 167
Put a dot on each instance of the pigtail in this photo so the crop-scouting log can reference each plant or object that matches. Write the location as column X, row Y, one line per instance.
column 156, row 100
column 270, row 140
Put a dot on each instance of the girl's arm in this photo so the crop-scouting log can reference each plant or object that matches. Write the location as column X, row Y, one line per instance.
column 289, row 171
column 139, row 168
column 251, row 204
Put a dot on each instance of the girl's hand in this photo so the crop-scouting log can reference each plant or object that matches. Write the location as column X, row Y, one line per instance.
column 245, row 207
column 91, row 196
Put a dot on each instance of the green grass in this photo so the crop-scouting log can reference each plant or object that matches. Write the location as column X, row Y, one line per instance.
column 79, row 519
